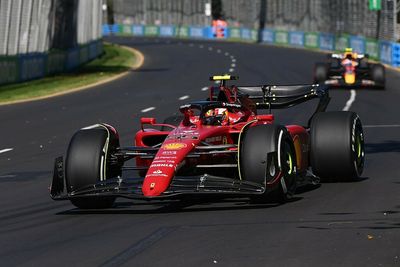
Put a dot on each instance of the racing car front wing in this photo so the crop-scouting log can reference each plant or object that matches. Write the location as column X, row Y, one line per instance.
column 132, row 187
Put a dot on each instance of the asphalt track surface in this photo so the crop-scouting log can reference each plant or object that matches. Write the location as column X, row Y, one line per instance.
column 346, row 224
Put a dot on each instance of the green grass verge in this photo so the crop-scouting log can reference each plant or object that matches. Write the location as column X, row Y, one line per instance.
column 115, row 60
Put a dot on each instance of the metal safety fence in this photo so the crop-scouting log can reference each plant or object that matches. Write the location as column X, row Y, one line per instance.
column 353, row 17
column 165, row 12
column 42, row 37
column 334, row 16
column 385, row 51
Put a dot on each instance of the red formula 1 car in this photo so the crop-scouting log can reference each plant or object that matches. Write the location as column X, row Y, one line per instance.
column 350, row 70
column 220, row 147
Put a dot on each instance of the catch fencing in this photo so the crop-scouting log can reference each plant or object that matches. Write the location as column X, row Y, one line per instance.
column 352, row 17
column 330, row 25
column 42, row 37
column 332, row 16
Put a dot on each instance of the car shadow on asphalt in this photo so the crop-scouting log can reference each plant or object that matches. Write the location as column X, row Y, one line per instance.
column 177, row 207
column 383, row 147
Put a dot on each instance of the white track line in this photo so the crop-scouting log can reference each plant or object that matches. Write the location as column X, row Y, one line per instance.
column 204, row 89
column 382, row 126
column 183, row 97
column 226, row 54
column 6, row 150
column 231, row 70
column 233, row 60
column 219, row 51
column 350, row 101
column 233, row 65
column 148, row 109
column 210, row 49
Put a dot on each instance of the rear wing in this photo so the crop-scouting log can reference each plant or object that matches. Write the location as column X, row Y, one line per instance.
column 285, row 96
column 273, row 97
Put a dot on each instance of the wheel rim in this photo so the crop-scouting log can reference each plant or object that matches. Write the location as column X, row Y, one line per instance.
column 288, row 168
column 359, row 153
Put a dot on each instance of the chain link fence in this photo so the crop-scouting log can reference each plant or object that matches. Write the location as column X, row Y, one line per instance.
column 333, row 16
column 36, row 26
column 330, row 16
column 157, row 12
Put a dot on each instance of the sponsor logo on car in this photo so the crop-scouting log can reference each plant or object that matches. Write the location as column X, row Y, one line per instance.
column 166, row 152
column 162, row 165
column 174, row 146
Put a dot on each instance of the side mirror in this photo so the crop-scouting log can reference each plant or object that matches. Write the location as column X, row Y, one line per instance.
column 150, row 121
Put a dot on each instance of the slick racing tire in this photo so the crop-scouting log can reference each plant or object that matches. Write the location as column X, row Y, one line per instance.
column 320, row 73
column 378, row 75
column 265, row 150
column 337, row 146
column 88, row 162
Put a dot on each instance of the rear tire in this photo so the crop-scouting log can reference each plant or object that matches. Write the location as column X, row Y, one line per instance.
column 320, row 73
column 88, row 162
column 337, row 146
column 378, row 75
column 260, row 148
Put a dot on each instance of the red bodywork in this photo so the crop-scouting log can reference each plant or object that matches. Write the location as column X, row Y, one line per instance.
column 178, row 143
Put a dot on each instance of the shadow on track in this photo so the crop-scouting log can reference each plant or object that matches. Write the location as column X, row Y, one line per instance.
column 176, row 207
column 384, row 147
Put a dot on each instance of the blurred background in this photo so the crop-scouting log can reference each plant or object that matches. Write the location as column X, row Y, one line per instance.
column 43, row 37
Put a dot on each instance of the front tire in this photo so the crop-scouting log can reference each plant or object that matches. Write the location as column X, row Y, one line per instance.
column 337, row 146
column 265, row 151
column 88, row 162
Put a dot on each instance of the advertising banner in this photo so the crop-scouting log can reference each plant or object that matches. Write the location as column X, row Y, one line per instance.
column 182, row 31
column 167, row 31
column 150, row 30
column 396, row 54
column 358, row 44
column 385, row 52
column 197, row 32
column 372, row 48
column 245, row 34
column 281, row 37
column 341, row 43
column 326, row 41
column 137, row 30
column 126, row 30
column 234, row 33
column 268, row 36
column 296, row 39
column 311, row 40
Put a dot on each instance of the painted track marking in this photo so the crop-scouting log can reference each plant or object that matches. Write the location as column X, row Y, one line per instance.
column 204, row 88
column 148, row 109
column 350, row 101
column 183, row 97
column 6, row 150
